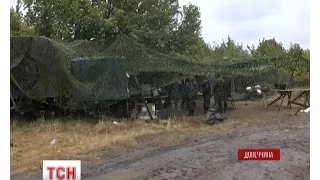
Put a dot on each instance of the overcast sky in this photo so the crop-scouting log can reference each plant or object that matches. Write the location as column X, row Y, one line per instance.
column 248, row 21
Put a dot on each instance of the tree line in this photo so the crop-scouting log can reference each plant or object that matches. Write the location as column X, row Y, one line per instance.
column 161, row 25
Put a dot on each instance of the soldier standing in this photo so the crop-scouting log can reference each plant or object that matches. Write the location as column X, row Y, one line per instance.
column 176, row 97
column 191, row 90
column 227, row 93
column 184, row 94
column 206, row 92
column 219, row 94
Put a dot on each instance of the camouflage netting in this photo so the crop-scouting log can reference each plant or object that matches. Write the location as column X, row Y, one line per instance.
column 41, row 68
column 143, row 59
column 76, row 72
column 162, row 69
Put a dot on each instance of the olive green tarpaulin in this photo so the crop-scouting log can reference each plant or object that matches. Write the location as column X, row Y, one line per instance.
column 77, row 71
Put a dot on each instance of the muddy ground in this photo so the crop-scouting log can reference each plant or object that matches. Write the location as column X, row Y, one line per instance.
column 214, row 156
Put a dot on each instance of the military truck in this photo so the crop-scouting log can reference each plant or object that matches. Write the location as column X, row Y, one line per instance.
column 53, row 79
column 47, row 78
column 97, row 84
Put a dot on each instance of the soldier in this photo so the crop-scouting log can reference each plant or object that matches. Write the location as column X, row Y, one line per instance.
column 176, row 97
column 191, row 92
column 206, row 92
column 184, row 96
column 219, row 94
column 227, row 93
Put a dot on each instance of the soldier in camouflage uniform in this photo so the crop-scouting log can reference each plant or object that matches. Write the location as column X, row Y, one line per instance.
column 218, row 90
column 191, row 92
column 206, row 92
column 184, row 96
column 227, row 93
column 176, row 97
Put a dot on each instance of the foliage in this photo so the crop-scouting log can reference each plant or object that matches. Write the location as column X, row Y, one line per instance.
column 229, row 50
column 17, row 25
column 163, row 26
column 302, row 72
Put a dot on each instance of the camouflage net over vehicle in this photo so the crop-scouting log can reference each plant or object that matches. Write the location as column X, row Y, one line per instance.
column 43, row 68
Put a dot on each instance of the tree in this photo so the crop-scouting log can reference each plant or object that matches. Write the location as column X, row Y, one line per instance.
column 149, row 22
column 301, row 73
column 187, row 37
column 17, row 25
column 163, row 26
column 229, row 51
column 41, row 15
column 152, row 23
column 159, row 25
column 274, row 52
column 270, row 48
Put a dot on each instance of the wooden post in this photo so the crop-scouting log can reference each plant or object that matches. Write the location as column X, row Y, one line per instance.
column 144, row 100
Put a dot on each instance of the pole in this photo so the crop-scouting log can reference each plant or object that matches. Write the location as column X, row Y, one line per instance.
column 144, row 100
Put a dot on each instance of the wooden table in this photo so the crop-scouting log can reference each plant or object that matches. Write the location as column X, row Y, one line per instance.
column 288, row 93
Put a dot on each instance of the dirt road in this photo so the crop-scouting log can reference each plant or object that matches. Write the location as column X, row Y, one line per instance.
column 214, row 156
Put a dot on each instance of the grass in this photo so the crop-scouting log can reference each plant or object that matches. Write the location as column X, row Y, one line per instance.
column 31, row 141
column 88, row 139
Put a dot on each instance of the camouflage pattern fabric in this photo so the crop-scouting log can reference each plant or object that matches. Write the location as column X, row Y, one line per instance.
column 212, row 116
column 184, row 95
column 41, row 67
column 191, row 89
column 176, row 95
column 206, row 91
column 176, row 91
column 227, row 93
column 191, row 103
column 219, row 103
column 219, row 89
column 206, row 102
column 176, row 105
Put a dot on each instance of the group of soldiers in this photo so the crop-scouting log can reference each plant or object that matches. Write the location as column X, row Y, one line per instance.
column 186, row 93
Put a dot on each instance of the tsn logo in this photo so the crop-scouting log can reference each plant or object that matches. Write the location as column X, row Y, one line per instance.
column 61, row 170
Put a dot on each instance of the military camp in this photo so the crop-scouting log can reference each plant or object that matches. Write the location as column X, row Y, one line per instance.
column 158, row 90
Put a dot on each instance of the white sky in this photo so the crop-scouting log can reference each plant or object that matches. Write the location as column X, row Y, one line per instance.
column 248, row 21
